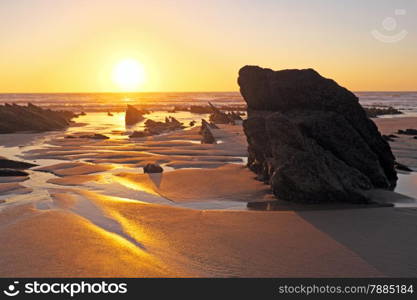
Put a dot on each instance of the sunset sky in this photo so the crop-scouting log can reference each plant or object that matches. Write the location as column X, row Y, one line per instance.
column 184, row 45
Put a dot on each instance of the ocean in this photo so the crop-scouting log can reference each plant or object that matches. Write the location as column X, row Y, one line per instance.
column 90, row 102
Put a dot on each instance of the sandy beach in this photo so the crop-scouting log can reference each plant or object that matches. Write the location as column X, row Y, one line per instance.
column 88, row 209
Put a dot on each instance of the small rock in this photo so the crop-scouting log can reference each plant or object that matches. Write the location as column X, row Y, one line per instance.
column 152, row 168
column 192, row 123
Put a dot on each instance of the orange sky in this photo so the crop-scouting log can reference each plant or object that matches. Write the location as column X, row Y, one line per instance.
column 74, row 46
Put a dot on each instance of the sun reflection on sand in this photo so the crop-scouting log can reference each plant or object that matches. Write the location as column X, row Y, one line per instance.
column 144, row 186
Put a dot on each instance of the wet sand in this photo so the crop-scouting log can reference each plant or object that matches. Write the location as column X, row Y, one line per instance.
column 90, row 211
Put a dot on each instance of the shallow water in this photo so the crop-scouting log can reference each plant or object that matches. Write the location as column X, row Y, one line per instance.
column 15, row 146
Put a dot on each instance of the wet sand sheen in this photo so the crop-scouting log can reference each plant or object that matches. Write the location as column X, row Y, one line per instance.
column 92, row 221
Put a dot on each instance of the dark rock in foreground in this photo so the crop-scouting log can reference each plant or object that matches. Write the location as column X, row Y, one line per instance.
column 12, row 172
column 311, row 139
column 152, row 168
column 15, row 118
column 133, row 115
column 14, row 164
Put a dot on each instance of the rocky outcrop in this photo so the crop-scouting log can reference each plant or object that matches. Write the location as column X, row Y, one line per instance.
column 219, row 117
column 15, row 118
column 133, row 115
column 207, row 136
column 155, row 127
column 311, row 139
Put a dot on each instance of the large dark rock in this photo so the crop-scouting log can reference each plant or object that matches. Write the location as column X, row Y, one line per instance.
column 311, row 139
column 15, row 118
column 133, row 115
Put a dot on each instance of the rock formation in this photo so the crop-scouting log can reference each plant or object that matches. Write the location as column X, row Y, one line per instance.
column 15, row 118
column 219, row 117
column 311, row 139
column 207, row 136
column 133, row 115
column 155, row 127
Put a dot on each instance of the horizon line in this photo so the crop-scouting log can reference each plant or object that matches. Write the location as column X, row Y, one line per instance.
column 155, row 92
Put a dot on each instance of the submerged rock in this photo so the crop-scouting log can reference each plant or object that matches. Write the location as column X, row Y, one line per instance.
column 133, row 115
column 311, row 139
column 152, row 168
column 15, row 118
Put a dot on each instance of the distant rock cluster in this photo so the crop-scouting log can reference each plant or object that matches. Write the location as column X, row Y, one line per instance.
column 310, row 139
column 155, row 127
column 374, row 112
column 16, row 118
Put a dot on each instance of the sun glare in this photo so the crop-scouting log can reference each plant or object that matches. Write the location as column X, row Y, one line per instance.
column 129, row 74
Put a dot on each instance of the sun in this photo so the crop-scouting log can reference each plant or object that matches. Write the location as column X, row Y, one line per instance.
column 129, row 74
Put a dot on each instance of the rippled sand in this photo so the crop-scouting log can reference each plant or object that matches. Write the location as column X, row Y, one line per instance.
column 88, row 210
